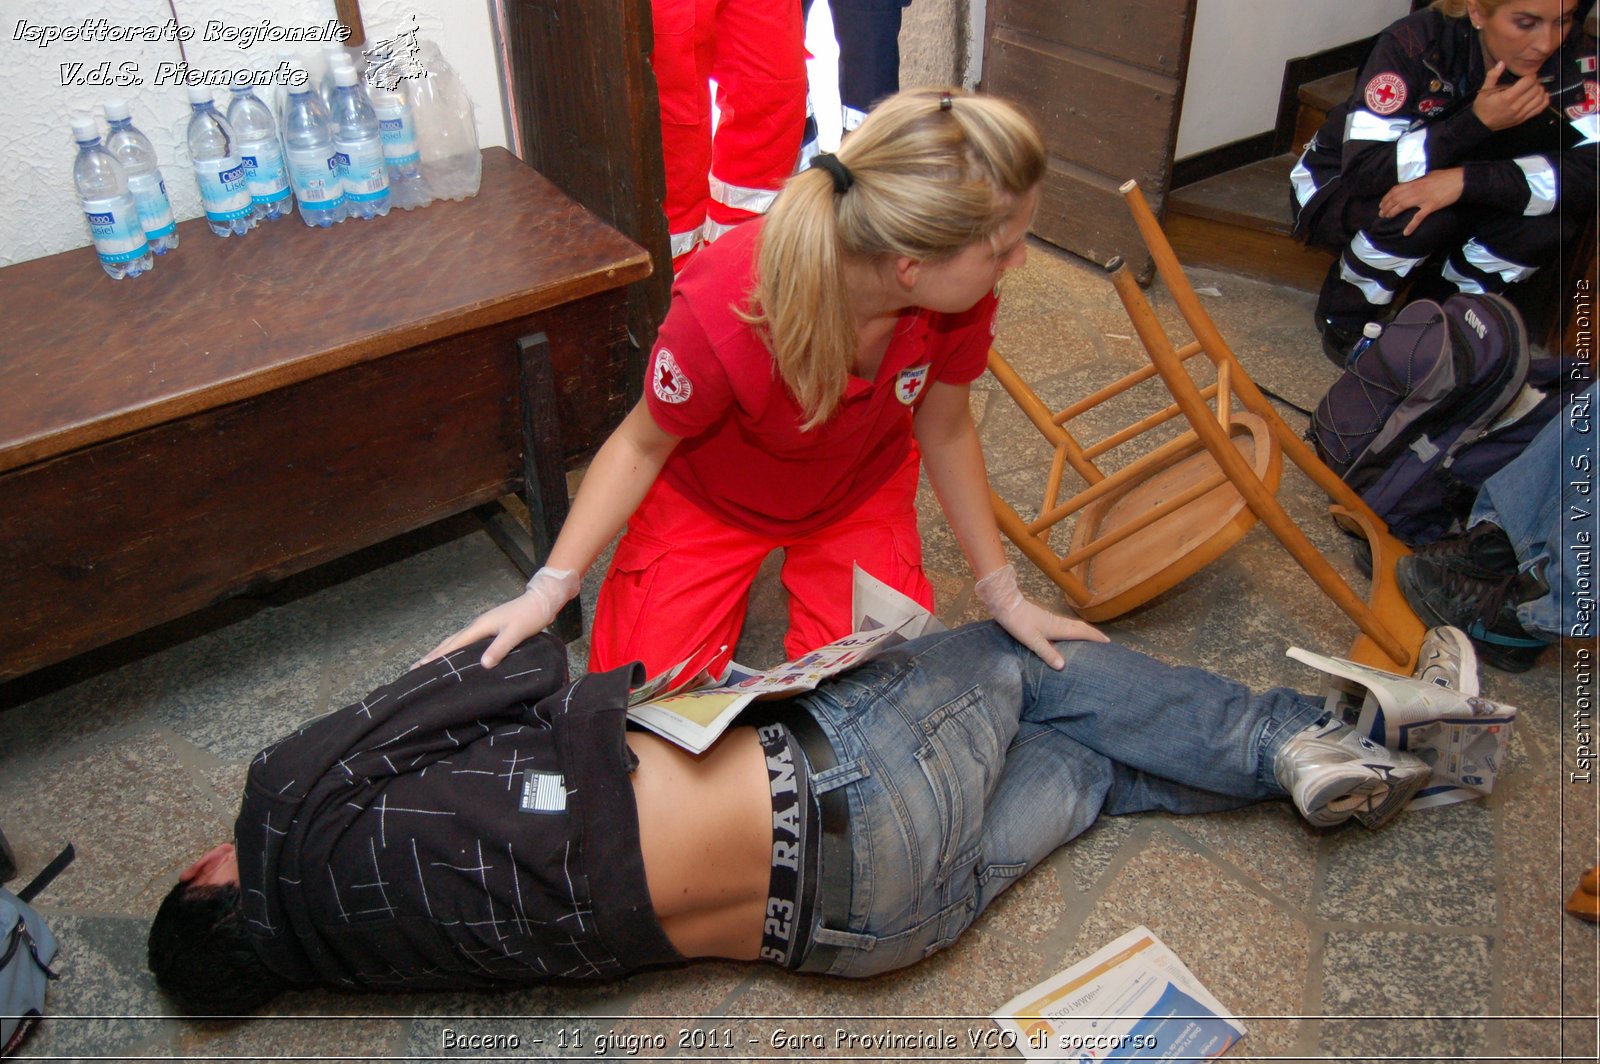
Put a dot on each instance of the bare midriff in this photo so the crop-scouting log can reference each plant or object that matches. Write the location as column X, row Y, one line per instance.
column 705, row 830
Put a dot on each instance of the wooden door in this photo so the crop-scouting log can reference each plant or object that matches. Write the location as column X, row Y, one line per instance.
column 1104, row 80
column 583, row 100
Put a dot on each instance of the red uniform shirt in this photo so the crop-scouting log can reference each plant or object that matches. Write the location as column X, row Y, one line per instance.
column 743, row 457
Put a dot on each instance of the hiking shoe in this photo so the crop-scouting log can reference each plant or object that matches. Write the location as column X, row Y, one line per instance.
column 1486, row 609
column 1333, row 774
column 1446, row 659
column 1482, row 550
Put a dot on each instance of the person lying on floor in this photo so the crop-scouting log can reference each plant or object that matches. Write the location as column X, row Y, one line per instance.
column 469, row 828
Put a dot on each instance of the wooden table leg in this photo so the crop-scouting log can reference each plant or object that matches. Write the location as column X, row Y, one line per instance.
column 544, row 478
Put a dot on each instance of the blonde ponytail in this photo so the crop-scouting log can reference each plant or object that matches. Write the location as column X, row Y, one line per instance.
column 931, row 171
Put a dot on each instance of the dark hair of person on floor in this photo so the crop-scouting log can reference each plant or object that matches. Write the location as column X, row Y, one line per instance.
column 201, row 956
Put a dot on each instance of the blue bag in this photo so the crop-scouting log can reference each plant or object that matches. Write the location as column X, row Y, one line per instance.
column 1444, row 398
column 25, row 955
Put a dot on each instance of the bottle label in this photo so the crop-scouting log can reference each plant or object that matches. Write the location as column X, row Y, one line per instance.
column 264, row 171
column 114, row 227
column 366, row 178
column 399, row 134
column 317, row 181
column 155, row 210
column 223, row 189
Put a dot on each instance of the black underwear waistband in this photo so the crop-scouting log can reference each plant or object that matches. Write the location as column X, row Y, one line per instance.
column 791, row 890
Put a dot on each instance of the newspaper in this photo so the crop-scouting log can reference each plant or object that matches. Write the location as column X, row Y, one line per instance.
column 1132, row 1000
column 1465, row 738
column 698, row 710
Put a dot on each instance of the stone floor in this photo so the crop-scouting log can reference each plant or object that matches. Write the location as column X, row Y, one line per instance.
column 1439, row 938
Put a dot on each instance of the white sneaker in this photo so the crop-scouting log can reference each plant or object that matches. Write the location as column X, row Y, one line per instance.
column 1332, row 773
column 1446, row 659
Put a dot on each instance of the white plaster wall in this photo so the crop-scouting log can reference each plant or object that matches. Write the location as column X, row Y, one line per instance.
column 41, row 215
column 1238, row 52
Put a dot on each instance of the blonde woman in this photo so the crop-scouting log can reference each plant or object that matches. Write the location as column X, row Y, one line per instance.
column 1456, row 159
column 808, row 362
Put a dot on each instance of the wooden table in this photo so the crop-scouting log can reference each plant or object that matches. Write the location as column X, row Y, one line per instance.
column 258, row 405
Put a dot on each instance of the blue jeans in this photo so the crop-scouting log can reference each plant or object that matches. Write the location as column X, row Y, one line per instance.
column 1527, row 499
column 967, row 761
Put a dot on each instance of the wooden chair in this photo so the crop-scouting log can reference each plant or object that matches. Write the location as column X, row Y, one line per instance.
column 1163, row 516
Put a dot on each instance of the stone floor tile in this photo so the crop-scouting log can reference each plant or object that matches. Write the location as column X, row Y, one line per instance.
column 1380, row 998
column 133, row 812
column 105, row 1002
column 1434, row 867
column 1249, row 952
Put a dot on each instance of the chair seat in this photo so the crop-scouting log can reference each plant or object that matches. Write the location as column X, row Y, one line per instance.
column 1180, row 542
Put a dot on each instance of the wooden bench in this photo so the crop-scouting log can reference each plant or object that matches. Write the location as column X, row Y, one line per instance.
column 258, row 405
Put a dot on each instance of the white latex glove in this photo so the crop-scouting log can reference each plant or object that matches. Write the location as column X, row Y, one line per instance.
column 1032, row 626
column 511, row 622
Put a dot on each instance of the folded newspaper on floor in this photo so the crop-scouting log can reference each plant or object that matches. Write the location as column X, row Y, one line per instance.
column 1465, row 738
column 697, row 711
column 1132, row 1000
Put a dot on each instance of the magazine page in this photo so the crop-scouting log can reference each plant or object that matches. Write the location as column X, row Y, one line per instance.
column 1465, row 739
column 1132, row 1000
column 874, row 604
column 694, row 717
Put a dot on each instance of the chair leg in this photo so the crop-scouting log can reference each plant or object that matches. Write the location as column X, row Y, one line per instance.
column 1256, row 495
column 1037, row 552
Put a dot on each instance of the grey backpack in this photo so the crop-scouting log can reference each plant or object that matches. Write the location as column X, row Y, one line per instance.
column 1420, row 418
column 25, row 958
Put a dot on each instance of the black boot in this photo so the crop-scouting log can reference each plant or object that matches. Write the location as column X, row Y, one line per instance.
column 1482, row 551
column 1483, row 607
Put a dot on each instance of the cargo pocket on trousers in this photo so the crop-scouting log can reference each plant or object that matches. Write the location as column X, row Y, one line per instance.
column 625, row 593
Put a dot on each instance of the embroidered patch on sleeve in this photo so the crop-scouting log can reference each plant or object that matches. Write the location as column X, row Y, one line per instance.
column 910, row 382
column 1386, row 93
column 669, row 382
column 1590, row 102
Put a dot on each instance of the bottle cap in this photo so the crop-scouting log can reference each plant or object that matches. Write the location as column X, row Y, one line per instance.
column 1372, row 330
column 345, row 74
column 116, row 108
column 200, row 94
column 84, row 128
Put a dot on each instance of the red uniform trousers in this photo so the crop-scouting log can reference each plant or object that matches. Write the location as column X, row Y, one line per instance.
column 755, row 50
column 680, row 579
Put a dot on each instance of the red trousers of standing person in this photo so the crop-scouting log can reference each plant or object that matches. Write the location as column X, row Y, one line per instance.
column 680, row 579
column 755, row 51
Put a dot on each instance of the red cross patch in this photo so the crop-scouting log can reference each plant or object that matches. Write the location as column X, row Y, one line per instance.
column 1591, row 101
column 669, row 382
column 909, row 384
column 1386, row 94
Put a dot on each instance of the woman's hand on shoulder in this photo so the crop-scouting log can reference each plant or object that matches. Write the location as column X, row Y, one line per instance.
column 512, row 622
column 1501, row 106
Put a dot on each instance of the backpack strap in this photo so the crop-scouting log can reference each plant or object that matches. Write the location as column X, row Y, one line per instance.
column 51, row 870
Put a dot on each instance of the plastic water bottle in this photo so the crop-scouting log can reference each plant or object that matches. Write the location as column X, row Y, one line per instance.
column 360, row 146
column 313, row 162
column 257, row 137
column 138, row 158
column 107, row 205
column 224, row 191
column 1369, row 336
column 399, row 132
column 447, row 133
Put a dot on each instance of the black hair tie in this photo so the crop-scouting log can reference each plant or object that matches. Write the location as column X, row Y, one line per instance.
column 945, row 102
column 842, row 177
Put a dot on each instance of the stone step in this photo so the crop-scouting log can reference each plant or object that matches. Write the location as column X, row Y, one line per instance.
column 1240, row 222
